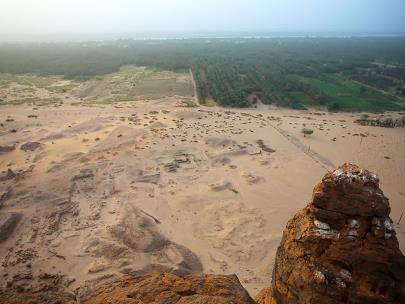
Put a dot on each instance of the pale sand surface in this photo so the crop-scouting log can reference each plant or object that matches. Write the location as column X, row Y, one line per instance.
column 153, row 185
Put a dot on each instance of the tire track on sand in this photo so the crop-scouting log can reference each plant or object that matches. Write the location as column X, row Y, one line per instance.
column 322, row 160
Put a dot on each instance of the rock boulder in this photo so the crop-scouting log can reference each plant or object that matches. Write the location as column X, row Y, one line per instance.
column 341, row 248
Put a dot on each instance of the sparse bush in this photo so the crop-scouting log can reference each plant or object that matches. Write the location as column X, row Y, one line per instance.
column 334, row 107
column 307, row 131
column 189, row 103
column 388, row 123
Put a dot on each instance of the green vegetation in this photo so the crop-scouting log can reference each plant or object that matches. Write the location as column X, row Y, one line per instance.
column 307, row 131
column 347, row 95
column 386, row 122
column 189, row 103
column 351, row 74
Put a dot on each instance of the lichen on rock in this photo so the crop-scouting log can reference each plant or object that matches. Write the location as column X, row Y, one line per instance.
column 352, row 191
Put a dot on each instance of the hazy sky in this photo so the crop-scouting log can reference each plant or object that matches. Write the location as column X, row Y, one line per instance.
column 27, row 18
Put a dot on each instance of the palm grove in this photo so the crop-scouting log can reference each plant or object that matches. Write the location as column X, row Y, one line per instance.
column 350, row 74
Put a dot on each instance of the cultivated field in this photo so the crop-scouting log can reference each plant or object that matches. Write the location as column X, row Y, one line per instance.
column 350, row 96
column 129, row 84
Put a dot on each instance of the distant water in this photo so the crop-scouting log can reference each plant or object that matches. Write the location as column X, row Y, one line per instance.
column 265, row 35
column 69, row 37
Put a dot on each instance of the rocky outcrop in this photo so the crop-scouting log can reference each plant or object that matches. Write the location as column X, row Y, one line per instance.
column 152, row 288
column 341, row 248
column 31, row 146
column 5, row 149
column 7, row 175
column 168, row 288
column 8, row 222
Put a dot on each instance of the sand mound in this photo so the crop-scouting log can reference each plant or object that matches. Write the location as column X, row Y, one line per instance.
column 220, row 186
column 220, row 143
column 136, row 238
column 157, row 125
column 188, row 115
column 250, row 178
column 234, row 230
column 89, row 126
column 138, row 233
column 119, row 137
column 220, row 160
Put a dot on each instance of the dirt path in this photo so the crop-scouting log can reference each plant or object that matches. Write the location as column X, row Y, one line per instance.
column 322, row 160
column 195, row 88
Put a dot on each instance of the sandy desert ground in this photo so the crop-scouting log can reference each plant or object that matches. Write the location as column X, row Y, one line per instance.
column 123, row 186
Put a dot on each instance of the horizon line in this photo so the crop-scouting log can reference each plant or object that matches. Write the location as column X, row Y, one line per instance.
column 183, row 35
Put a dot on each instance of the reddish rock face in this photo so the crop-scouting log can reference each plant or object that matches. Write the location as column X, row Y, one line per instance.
column 351, row 191
column 168, row 288
column 152, row 288
column 341, row 248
